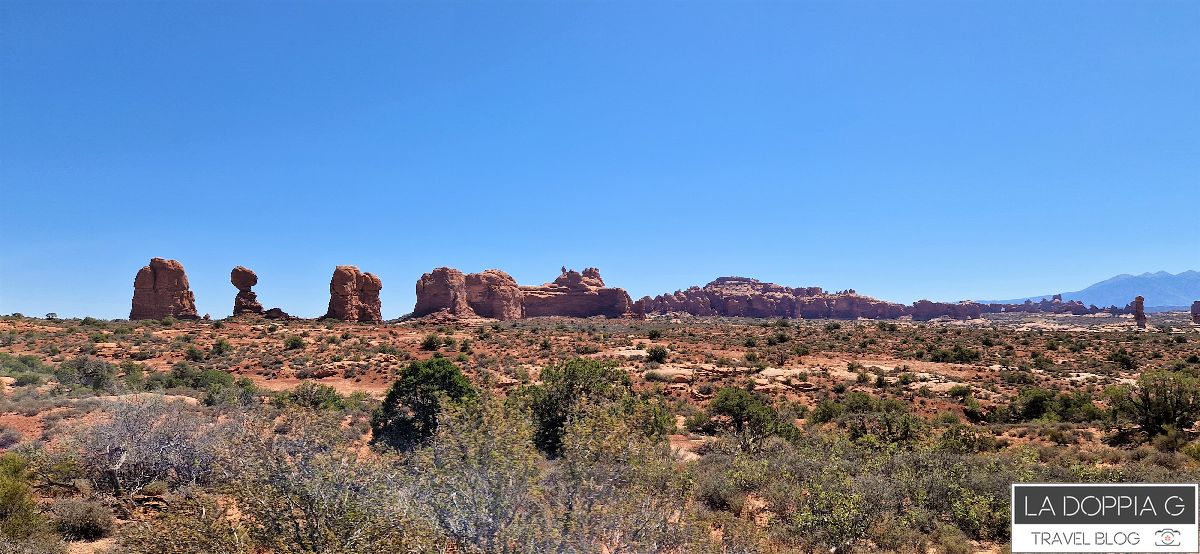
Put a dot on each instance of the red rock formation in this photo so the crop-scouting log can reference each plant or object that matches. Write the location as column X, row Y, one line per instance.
column 276, row 313
column 1138, row 307
column 246, row 301
column 924, row 310
column 495, row 294
column 1196, row 312
column 575, row 294
column 443, row 289
column 743, row 297
column 852, row 306
column 354, row 296
column 161, row 290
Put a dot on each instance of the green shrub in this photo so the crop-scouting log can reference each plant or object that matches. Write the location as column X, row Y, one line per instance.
column 314, row 396
column 749, row 417
column 87, row 371
column 221, row 347
column 410, row 410
column 1161, row 399
column 657, row 354
column 19, row 518
column 959, row 355
column 565, row 388
column 194, row 354
column 1124, row 359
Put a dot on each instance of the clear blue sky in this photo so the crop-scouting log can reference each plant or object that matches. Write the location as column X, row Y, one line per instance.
column 946, row 150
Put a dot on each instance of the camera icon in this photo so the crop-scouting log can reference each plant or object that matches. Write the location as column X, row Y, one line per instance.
column 1166, row 537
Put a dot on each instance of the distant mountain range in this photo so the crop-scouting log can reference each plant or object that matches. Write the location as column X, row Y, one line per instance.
column 1161, row 290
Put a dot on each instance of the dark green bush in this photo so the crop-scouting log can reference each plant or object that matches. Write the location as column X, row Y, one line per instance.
column 657, row 354
column 410, row 410
column 565, row 388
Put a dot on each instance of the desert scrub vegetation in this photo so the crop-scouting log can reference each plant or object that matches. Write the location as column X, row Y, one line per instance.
column 504, row 441
column 572, row 465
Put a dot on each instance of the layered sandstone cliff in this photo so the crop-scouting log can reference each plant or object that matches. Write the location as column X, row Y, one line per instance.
column 495, row 294
column 160, row 290
column 744, row 297
column 575, row 294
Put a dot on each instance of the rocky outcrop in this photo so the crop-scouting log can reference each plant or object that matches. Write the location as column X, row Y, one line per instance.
column 495, row 294
column 443, row 289
column 276, row 313
column 575, row 294
column 161, row 290
column 246, row 301
column 1054, row 305
column 354, row 296
column 744, row 297
column 924, row 310
column 1196, row 312
column 1138, row 307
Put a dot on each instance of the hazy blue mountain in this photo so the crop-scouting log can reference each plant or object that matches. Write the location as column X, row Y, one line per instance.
column 1160, row 289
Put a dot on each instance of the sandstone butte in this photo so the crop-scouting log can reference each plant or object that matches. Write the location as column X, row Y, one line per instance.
column 354, row 296
column 495, row 294
column 160, row 290
column 1196, row 312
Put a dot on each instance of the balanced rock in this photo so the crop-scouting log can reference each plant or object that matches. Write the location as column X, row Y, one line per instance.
column 354, row 296
column 246, row 301
column 161, row 290
column 1196, row 312
column 1138, row 307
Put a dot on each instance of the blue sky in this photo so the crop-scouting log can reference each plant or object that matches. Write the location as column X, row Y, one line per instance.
column 946, row 150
